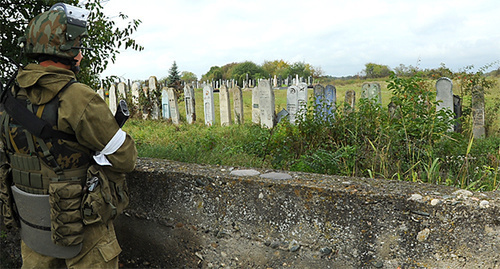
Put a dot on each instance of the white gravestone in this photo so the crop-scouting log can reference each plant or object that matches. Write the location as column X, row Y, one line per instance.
column 208, row 105
column 292, row 102
column 444, row 95
column 174, row 107
column 101, row 93
column 302, row 98
column 266, row 104
column 113, row 104
column 255, row 105
column 153, row 95
column 122, row 91
column 371, row 91
column 224, row 106
column 238, row 105
column 189, row 102
column 135, row 95
column 165, row 105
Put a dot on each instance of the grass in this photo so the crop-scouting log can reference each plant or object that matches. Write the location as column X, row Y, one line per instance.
column 466, row 163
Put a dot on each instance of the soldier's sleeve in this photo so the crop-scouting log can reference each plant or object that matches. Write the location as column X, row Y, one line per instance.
column 97, row 130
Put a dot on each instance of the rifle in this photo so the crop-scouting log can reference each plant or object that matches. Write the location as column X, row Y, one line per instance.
column 122, row 113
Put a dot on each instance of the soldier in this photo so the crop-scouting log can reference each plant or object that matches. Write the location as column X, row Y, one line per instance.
column 64, row 156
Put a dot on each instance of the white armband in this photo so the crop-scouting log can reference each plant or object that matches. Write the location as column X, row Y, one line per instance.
column 113, row 145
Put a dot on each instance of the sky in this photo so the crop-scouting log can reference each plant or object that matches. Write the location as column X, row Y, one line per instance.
column 338, row 36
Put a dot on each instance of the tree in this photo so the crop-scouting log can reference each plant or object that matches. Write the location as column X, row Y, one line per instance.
column 276, row 67
column 300, row 68
column 174, row 79
column 376, row 70
column 105, row 38
column 188, row 76
column 240, row 71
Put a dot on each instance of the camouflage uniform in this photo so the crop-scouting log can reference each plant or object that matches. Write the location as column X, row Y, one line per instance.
column 81, row 112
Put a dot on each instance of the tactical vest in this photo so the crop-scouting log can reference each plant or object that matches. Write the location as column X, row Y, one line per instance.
column 36, row 162
column 48, row 176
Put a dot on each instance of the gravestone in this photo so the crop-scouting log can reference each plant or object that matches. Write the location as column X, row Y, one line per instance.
column 331, row 98
column 101, row 93
column 208, row 105
column 190, row 104
column 350, row 101
column 238, row 105
column 266, row 104
column 444, row 95
column 113, row 103
column 457, row 108
column 174, row 107
column 153, row 95
column 302, row 98
column 371, row 91
column 325, row 99
column 145, row 109
column 135, row 95
column 478, row 112
column 255, row 105
column 283, row 113
column 224, row 106
column 292, row 102
column 165, row 104
column 122, row 91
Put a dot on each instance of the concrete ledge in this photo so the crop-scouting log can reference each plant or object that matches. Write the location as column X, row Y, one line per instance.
column 189, row 216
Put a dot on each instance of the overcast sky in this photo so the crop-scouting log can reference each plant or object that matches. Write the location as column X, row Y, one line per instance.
column 338, row 36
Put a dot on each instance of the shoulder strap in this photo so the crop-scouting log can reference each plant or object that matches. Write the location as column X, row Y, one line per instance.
column 36, row 126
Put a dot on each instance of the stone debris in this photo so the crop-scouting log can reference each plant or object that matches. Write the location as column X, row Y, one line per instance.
column 415, row 197
column 423, row 235
column 484, row 204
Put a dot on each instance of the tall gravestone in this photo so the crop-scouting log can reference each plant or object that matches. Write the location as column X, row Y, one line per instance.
column 478, row 129
column 145, row 110
column 255, row 105
column 444, row 95
column 190, row 104
column 224, row 106
column 302, row 98
column 165, row 104
column 266, row 104
column 122, row 91
column 208, row 105
column 292, row 102
column 135, row 95
column 371, row 91
column 101, row 93
column 457, row 108
column 325, row 99
column 113, row 103
column 174, row 107
column 238, row 105
column 350, row 101
column 153, row 95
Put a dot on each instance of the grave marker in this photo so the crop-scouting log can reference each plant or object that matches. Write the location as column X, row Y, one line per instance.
column 174, row 107
column 224, row 106
column 113, row 103
column 266, row 104
column 302, row 98
column 190, row 104
column 101, row 93
column 371, row 91
column 165, row 104
column 350, row 101
column 208, row 105
column 122, row 91
column 255, row 105
column 444, row 94
column 238, row 105
column 478, row 129
column 153, row 95
column 292, row 102
column 325, row 99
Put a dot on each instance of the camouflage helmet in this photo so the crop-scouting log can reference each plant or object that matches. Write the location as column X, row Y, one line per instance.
column 56, row 32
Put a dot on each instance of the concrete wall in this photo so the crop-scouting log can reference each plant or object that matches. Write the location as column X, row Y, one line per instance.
column 190, row 216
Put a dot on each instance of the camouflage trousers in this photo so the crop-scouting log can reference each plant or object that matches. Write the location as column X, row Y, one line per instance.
column 100, row 250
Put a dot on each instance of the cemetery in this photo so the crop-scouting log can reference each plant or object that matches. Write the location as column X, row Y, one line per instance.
column 218, row 216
